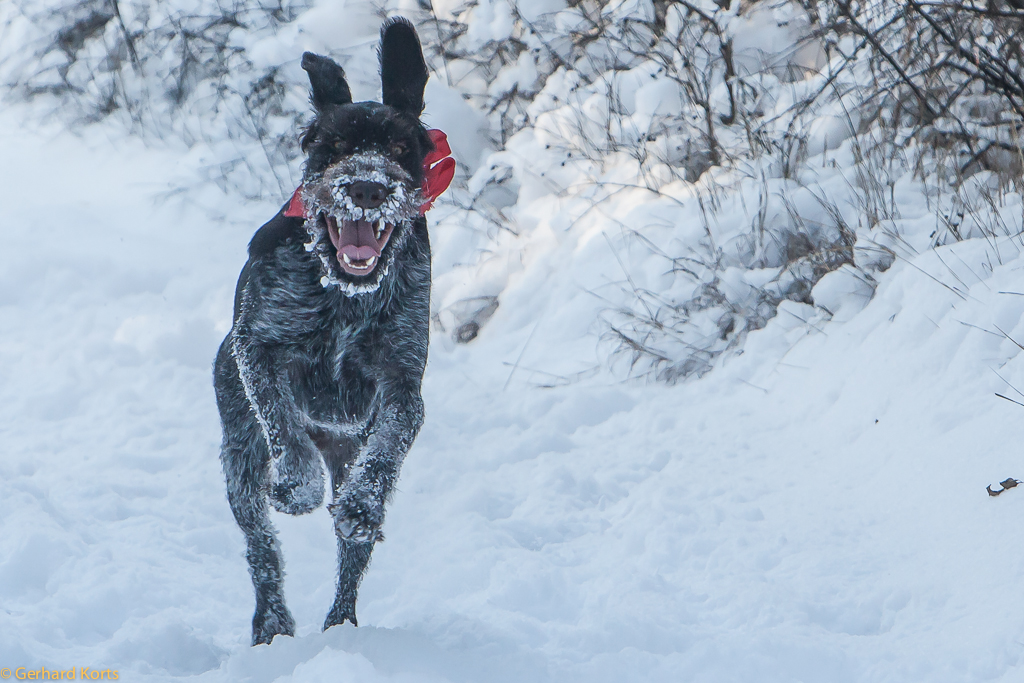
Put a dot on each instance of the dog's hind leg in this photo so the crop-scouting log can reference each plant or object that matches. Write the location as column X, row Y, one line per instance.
column 244, row 468
column 358, row 507
column 339, row 453
column 245, row 458
column 353, row 558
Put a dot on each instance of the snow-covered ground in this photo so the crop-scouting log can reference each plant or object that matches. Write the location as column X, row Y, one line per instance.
column 813, row 509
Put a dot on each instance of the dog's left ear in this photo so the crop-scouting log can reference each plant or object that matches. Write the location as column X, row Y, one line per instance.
column 327, row 80
column 403, row 73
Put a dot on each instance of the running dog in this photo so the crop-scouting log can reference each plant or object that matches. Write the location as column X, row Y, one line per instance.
column 323, row 364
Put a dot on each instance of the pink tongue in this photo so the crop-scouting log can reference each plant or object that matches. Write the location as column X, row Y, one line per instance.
column 355, row 239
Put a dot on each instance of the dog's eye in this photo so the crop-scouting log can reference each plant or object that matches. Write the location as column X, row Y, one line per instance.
column 397, row 149
column 341, row 146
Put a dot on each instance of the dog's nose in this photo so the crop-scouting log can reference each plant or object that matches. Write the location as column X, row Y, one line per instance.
column 367, row 195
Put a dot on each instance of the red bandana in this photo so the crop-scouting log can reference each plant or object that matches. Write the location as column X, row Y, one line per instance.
column 438, row 171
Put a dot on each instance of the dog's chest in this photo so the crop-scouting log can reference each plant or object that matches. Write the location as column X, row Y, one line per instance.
column 348, row 351
column 334, row 376
column 339, row 347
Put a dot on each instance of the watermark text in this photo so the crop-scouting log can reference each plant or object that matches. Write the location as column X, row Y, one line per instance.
column 75, row 673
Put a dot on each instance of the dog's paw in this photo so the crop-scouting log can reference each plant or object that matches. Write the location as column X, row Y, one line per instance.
column 358, row 521
column 296, row 482
column 341, row 612
column 296, row 497
column 273, row 621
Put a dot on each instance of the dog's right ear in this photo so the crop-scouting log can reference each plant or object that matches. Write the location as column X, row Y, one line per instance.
column 327, row 80
column 403, row 73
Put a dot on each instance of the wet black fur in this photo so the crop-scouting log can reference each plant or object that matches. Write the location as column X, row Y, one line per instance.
column 309, row 375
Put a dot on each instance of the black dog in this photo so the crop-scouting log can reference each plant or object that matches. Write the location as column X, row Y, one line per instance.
column 326, row 355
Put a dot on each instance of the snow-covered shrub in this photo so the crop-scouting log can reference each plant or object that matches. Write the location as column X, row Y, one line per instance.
column 184, row 68
column 788, row 130
column 691, row 105
column 942, row 78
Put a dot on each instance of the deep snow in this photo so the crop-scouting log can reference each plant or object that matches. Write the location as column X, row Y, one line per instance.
column 813, row 509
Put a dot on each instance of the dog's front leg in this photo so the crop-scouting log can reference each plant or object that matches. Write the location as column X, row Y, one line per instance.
column 358, row 507
column 296, row 472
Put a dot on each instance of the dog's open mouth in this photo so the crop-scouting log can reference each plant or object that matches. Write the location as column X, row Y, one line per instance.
column 359, row 243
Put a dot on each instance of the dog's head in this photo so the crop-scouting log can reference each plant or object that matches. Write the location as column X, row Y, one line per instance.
column 364, row 168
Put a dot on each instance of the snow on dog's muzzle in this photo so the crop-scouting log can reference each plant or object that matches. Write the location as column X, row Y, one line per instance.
column 356, row 210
